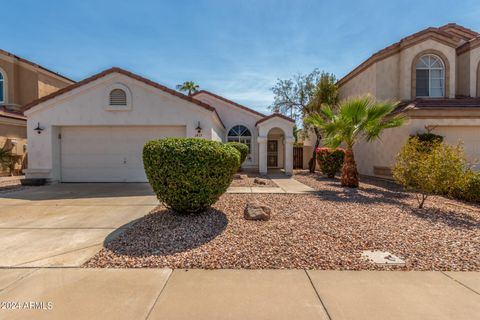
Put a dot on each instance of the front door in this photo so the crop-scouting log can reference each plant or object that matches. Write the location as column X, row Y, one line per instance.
column 272, row 154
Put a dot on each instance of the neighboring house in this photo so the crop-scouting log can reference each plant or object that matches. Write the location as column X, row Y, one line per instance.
column 436, row 75
column 95, row 130
column 21, row 82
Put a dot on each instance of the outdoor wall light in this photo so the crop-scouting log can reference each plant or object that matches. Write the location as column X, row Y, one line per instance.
column 198, row 128
column 199, row 131
column 38, row 128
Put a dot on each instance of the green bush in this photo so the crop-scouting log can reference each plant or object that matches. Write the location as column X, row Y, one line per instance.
column 469, row 188
column 330, row 160
column 440, row 170
column 188, row 174
column 242, row 148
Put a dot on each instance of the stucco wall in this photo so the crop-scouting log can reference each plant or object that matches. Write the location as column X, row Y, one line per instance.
column 463, row 74
column 407, row 56
column 474, row 72
column 25, row 82
column 231, row 116
column 86, row 106
column 363, row 83
column 391, row 78
column 382, row 153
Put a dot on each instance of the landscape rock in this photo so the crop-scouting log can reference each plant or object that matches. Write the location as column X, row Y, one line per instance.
column 260, row 181
column 256, row 211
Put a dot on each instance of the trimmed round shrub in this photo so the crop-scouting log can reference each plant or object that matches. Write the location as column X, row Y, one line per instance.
column 330, row 160
column 242, row 148
column 188, row 174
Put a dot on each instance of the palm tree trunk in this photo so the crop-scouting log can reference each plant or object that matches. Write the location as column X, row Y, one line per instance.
column 349, row 170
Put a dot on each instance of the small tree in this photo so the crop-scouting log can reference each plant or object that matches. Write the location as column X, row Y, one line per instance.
column 189, row 87
column 8, row 160
column 439, row 168
column 302, row 96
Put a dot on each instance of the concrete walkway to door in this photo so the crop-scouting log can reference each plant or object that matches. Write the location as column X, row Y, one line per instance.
column 285, row 184
column 66, row 224
column 76, row 293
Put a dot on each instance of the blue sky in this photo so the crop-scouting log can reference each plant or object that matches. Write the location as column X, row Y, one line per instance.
column 234, row 48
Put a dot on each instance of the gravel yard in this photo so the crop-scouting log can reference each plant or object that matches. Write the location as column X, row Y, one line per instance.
column 8, row 184
column 249, row 179
column 327, row 230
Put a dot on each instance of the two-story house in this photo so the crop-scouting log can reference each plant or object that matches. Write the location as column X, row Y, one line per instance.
column 435, row 73
column 21, row 82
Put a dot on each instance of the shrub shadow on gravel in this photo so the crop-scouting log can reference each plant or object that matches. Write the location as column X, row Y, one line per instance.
column 165, row 232
column 451, row 218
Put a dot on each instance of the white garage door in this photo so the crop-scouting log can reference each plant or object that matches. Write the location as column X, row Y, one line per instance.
column 469, row 136
column 108, row 154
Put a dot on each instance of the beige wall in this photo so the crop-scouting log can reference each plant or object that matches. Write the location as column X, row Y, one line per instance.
column 364, row 83
column 391, row 78
column 463, row 74
column 474, row 72
column 382, row 153
column 25, row 83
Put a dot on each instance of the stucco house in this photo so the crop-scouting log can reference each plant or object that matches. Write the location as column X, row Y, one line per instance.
column 21, row 82
column 95, row 130
column 435, row 73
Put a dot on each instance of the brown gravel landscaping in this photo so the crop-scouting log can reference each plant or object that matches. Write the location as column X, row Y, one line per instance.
column 243, row 179
column 326, row 230
column 8, row 184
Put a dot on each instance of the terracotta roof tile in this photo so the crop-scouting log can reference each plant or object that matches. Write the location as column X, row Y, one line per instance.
column 128, row 74
column 5, row 113
column 431, row 32
column 229, row 101
column 273, row 115
column 442, row 103
column 35, row 65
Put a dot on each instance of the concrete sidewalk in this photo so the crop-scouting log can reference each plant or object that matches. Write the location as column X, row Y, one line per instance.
column 75, row 293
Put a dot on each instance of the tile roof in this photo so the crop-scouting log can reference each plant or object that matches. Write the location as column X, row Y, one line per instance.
column 275, row 115
column 128, row 74
column 5, row 113
column 442, row 103
column 449, row 34
column 35, row 65
column 229, row 101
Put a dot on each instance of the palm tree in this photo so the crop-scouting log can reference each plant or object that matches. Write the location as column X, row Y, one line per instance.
column 356, row 118
column 188, row 86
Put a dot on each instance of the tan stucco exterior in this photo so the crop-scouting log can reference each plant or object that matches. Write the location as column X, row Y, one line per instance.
column 390, row 75
column 25, row 82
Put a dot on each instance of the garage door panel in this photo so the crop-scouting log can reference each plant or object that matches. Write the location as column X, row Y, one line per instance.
column 108, row 154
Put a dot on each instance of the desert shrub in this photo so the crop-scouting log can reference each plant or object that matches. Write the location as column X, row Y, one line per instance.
column 427, row 140
column 188, row 174
column 469, row 188
column 242, row 148
column 8, row 160
column 440, row 170
column 330, row 160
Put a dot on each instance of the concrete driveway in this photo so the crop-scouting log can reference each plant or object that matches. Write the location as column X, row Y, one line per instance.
column 66, row 224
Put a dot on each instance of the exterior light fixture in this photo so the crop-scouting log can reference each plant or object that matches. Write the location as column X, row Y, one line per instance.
column 199, row 131
column 38, row 128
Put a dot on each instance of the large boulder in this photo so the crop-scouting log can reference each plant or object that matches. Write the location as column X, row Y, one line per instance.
column 257, row 211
